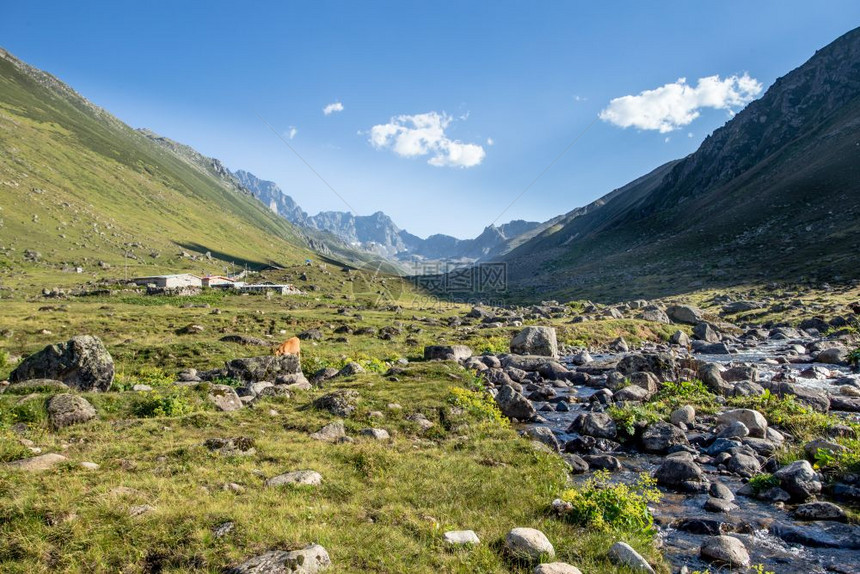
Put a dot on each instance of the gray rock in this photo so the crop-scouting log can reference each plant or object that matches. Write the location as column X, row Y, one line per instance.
column 753, row 420
column 237, row 446
column 577, row 464
column 820, row 511
column 83, row 363
column 331, row 432
column 309, row 560
column 684, row 314
column 376, row 434
column 656, row 315
column 725, row 550
column 812, row 447
column 685, row 414
column 598, row 425
column 301, row 477
column 544, row 435
column 224, row 397
column 631, row 393
column 341, row 403
column 528, row 544
column 735, row 429
column 720, row 490
column 539, row 341
column 799, row 480
column 603, row 462
column 623, row 554
column 461, row 538
column 66, row 410
column 36, row 386
column 556, row 568
column 661, row 365
column 350, row 369
column 744, row 465
column 660, row 436
column 514, row 405
column 447, row 353
column 37, row 463
column 678, row 473
column 833, row 356
column 711, row 376
column 680, row 338
column 704, row 332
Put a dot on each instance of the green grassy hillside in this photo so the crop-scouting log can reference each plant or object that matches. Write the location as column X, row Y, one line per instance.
column 79, row 187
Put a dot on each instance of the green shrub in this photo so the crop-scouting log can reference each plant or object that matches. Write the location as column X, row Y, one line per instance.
column 28, row 411
column 11, row 449
column 153, row 376
column 494, row 345
column 479, row 404
column 4, row 358
column 677, row 394
column 604, row 506
column 788, row 413
column 762, row 482
column 627, row 416
column 155, row 404
column 854, row 357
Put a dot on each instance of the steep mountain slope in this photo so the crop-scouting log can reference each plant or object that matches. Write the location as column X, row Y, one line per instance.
column 78, row 187
column 772, row 195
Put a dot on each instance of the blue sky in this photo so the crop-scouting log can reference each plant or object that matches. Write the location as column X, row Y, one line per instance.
column 450, row 109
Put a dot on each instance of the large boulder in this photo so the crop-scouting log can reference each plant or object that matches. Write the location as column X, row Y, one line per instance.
column 266, row 368
column 623, row 554
column 711, row 376
column 447, row 353
column 66, row 410
column 341, row 403
column 678, row 473
column 598, row 425
column 528, row 544
column 224, row 397
column 725, row 550
column 684, row 314
column 535, row 341
column 753, row 420
column 83, row 363
column 308, row 560
column 799, row 480
column 514, row 405
column 661, row 365
column 660, row 436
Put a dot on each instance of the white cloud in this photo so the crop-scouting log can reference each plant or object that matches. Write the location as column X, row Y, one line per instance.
column 490, row 141
column 675, row 105
column 332, row 108
column 291, row 133
column 424, row 134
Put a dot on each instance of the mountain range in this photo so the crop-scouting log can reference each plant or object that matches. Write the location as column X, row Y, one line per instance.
column 773, row 195
column 378, row 234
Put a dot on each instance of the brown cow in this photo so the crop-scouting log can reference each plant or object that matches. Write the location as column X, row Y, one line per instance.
column 291, row 346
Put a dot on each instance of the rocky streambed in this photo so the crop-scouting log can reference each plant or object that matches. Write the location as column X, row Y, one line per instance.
column 790, row 518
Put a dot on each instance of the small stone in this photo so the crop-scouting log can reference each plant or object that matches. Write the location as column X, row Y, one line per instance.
column 685, row 414
column 305, row 477
column 37, row 463
column 89, row 466
column 377, row 434
column 461, row 537
column 331, row 432
column 67, row 409
column 557, row 568
column 223, row 529
column 140, row 510
column 720, row 505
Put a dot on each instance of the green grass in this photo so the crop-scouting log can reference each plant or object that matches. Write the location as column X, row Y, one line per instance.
column 382, row 507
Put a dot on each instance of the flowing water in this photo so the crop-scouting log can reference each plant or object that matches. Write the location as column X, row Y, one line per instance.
column 768, row 531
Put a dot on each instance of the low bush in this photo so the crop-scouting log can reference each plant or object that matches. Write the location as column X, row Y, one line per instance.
column 627, row 416
column 762, row 482
column 602, row 505
column 155, row 404
column 479, row 404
